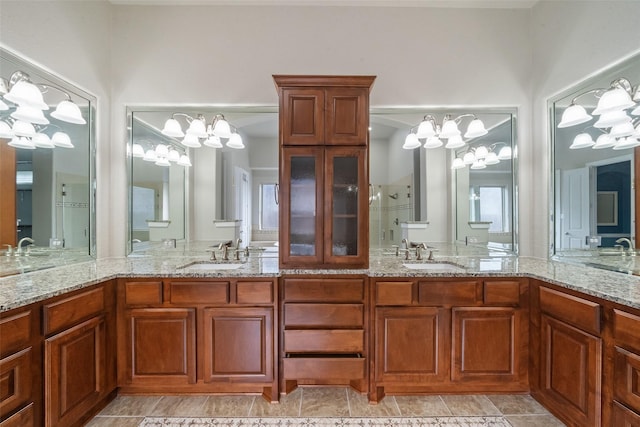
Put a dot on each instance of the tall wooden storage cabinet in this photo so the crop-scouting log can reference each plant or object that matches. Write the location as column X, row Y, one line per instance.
column 324, row 177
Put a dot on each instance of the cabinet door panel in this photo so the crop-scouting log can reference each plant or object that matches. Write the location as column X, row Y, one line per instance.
column 15, row 381
column 238, row 344
column 23, row 418
column 347, row 118
column 302, row 116
column 75, row 372
column 15, row 332
column 623, row 417
column 626, row 378
column 571, row 371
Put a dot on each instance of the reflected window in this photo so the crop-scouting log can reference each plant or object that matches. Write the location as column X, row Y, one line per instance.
column 144, row 208
column 490, row 204
column 268, row 207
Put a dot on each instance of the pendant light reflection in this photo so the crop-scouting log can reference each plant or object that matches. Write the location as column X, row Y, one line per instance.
column 211, row 133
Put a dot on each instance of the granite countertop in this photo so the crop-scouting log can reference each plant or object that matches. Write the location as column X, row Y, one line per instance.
column 450, row 261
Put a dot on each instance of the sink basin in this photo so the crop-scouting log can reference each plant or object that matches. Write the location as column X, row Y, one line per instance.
column 211, row 266
column 434, row 266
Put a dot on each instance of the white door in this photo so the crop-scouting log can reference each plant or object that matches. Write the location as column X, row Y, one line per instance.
column 574, row 209
column 243, row 203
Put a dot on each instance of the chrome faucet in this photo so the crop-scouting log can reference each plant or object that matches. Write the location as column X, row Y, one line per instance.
column 238, row 241
column 225, row 251
column 630, row 249
column 405, row 242
column 19, row 250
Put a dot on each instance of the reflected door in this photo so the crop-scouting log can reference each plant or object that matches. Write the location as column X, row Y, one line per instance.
column 72, row 208
column 574, row 214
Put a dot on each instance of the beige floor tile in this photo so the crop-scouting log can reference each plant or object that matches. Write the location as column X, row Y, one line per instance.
column 180, row 406
column 359, row 406
column 131, row 406
column 324, row 402
column 533, row 421
column 470, row 405
column 421, row 406
column 115, row 422
column 289, row 406
column 510, row 404
column 227, row 406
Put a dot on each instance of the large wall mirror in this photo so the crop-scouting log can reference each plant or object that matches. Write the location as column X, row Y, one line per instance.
column 229, row 193
column 47, row 159
column 595, row 129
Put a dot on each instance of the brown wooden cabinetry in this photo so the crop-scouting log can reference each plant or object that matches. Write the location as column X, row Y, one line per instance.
column 626, row 368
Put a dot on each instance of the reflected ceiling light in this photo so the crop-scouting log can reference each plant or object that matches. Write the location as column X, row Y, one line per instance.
column 197, row 128
column 221, row 127
column 23, row 92
column 455, row 142
column 22, row 128
column 5, row 130
column 150, row 156
column 137, row 151
column 42, row 140
column 172, row 128
column 613, row 100
column 426, row 128
column 491, row 159
column 481, row 152
column 449, row 129
column 22, row 142
column 573, row 115
column 61, row 139
column 213, row 142
column 628, row 142
column 30, row 114
column 611, row 119
column 69, row 112
column 476, row 129
column 482, row 156
column 582, row 140
column 191, row 141
column 505, row 153
column 163, row 161
column 478, row 164
column 604, row 141
column 184, row 161
column 433, row 142
column 162, row 150
column 458, row 163
column 411, row 141
column 469, row 158
column 218, row 128
column 430, row 130
column 621, row 130
column 174, row 155
column 235, row 141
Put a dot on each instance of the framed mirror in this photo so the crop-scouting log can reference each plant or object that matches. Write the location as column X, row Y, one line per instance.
column 594, row 162
column 47, row 156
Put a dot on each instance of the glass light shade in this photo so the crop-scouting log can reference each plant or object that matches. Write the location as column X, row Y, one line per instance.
column 174, row 155
column 623, row 129
column 221, row 128
column 22, row 142
column 628, row 142
column 191, row 141
column 613, row 118
column 604, row 141
column 235, row 141
column 172, row 128
column 458, row 163
column 213, row 142
column 582, row 140
column 150, row 156
column 481, row 152
column 475, row 129
column 21, row 128
column 197, row 128
column 449, row 129
column 454, row 142
column 61, row 139
column 468, row 158
column 137, row 151
column 411, row 142
column 5, row 131
column 3, row 106
column 573, row 115
column 478, row 164
column 425, row 129
column 433, row 142
column 163, row 161
column 612, row 100
column 636, row 111
column 26, row 93
column 30, row 114
column 184, row 160
column 69, row 112
column 505, row 153
column 491, row 159
column 42, row 140
column 162, row 150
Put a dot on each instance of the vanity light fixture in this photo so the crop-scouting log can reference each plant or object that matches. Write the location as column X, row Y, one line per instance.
column 27, row 120
column 430, row 130
column 218, row 128
column 482, row 156
column 160, row 154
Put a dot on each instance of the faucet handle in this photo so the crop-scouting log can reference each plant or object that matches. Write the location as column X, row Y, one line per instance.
column 9, row 250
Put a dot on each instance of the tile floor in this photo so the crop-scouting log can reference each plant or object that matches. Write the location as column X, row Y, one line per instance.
column 519, row 410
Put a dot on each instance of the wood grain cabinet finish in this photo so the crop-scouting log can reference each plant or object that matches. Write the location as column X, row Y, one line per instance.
column 302, row 116
column 15, row 381
column 624, row 417
column 24, row 418
column 626, row 369
column 347, row 116
column 66, row 312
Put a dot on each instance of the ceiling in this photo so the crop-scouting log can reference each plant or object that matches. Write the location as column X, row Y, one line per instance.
column 477, row 4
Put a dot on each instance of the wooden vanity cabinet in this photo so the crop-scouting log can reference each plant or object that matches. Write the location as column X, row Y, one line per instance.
column 625, row 328
column 449, row 335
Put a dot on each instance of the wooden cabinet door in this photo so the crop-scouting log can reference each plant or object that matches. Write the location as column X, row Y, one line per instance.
column 161, row 346
column 8, row 215
column 15, row 381
column 488, row 346
column 301, row 206
column 346, row 207
column 238, row 344
column 302, row 116
column 347, row 116
column 571, row 371
column 411, row 345
column 75, row 372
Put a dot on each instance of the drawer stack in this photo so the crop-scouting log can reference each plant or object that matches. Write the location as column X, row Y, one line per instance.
column 324, row 332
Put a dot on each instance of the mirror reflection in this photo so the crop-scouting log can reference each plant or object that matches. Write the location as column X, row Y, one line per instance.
column 47, row 162
column 595, row 129
column 230, row 193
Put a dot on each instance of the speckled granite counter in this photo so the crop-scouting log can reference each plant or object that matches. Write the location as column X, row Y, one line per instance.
column 23, row 289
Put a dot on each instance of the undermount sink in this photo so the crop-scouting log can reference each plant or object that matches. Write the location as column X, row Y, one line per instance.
column 434, row 266
column 211, row 266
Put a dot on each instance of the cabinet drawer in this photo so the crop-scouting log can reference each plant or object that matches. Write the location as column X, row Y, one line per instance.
column 502, row 292
column 394, row 293
column 324, row 315
column 450, row 293
column 143, row 293
column 626, row 329
column 254, row 292
column 324, row 367
column 69, row 311
column 324, row 290
column 15, row 332
column 623, row 417
column 626, row 378
column 23, row 418
column 324, row 341
column 199, row 292
column 15, row 381
column 576, row 311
